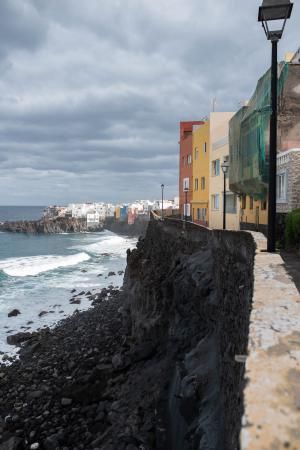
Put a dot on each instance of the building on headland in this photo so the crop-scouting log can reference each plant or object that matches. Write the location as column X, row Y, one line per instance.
column 218, row 153
column 54, row 211
column 186, row 166
column 249, row 147
column 200, row 167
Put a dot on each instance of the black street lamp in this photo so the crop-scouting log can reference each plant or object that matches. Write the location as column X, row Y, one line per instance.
column 278, row 11
column 225, row 169
column 162, row 201
column 186, row 190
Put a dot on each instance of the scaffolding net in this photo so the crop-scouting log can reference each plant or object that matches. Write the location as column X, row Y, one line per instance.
column 249, row 131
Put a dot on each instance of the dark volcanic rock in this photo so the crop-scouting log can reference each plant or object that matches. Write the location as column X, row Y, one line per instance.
column 150, row 367
column 13, row 313
column 17, row 338
column 48, row 226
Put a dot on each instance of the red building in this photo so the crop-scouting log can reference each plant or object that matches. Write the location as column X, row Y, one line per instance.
column 186, row 165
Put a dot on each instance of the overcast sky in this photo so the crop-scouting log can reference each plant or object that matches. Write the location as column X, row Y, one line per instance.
column 91, row 92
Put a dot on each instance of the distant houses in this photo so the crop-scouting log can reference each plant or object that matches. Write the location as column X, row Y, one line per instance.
column 95, row 213
column 242, row 140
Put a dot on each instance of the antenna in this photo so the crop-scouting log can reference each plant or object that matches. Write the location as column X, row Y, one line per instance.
column 214, row 102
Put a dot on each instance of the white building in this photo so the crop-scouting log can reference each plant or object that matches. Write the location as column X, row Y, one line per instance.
column 92, row 219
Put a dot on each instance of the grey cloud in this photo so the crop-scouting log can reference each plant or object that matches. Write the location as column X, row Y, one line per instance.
column 91, row 93
column 21, row 27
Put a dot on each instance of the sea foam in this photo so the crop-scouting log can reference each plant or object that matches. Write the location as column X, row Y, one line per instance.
column 34, row 265
column 112, row 245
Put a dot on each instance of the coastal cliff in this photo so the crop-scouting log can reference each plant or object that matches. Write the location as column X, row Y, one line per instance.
column 158, row 365
column 49, row 226
column 190, row 291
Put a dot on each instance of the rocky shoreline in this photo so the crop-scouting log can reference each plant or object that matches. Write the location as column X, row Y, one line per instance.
column 49, row 226
column 82, row 385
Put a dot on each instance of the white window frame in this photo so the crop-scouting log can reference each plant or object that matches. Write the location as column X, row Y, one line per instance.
column 215, row 165
column 187, row 209
column 196, row 153
column 189, row 159
column 196, row 184
column 215, row 202
column 186, row 184
column 281, row 188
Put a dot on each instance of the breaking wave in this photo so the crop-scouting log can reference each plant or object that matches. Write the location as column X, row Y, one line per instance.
column 34, row 265
column 112, row 245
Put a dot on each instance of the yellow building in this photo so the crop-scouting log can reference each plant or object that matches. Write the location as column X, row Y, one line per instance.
column 218, row 153
column 200, row 188
column 117, row 212
column 253, row 213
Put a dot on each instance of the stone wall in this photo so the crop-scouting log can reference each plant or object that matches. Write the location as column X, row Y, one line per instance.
column 191, row 289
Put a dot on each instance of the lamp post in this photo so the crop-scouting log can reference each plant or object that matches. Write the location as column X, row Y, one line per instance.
column 225, row 168
column 186, row 190
column 278, row 11
column 162, row 201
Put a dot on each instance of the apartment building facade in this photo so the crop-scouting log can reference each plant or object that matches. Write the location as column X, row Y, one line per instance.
column 249, row 148
column 200, row 187
column 186, row 166
column 218, row 153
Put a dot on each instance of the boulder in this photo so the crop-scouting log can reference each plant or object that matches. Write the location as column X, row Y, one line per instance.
column 17, row 338
column 13, row 443
column 13, row 313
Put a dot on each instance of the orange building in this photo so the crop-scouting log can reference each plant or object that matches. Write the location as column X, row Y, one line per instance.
column 186, row 166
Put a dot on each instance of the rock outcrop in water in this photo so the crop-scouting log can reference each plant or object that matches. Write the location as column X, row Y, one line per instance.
column 49, row 226
column 155, row 366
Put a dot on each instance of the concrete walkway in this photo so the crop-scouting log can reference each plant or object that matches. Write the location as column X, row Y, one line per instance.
column 272, row 395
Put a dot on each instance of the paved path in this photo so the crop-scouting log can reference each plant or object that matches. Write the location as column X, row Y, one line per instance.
column 272, row 394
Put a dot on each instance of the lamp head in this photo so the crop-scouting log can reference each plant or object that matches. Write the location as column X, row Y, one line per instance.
column 225, row 167
column 274, row 10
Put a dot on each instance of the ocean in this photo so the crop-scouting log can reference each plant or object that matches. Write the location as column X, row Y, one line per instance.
column 38, row 272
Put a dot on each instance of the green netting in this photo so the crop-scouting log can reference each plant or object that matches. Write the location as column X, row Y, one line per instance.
column 249, row 139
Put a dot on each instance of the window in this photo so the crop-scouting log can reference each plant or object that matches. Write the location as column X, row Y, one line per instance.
column 196, row 184
column 243, row 202
column 187, row 209
column 189, row 159
column 215, row 201
column 263, row 205
column 216, row 168
column 202, row 183
column 196, row 153
column 251, row 202
column 281, row 187
column 204, row 147
column 186, row 183
column 230, row 203
column 201, row 214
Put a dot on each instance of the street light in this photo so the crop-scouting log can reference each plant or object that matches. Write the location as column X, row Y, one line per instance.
column 278, row 11
column 186, row 190
column 162, row 201
column 225, row 169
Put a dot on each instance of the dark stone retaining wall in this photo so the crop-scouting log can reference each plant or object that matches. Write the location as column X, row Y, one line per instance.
column 192, row 289
column 138, row 228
